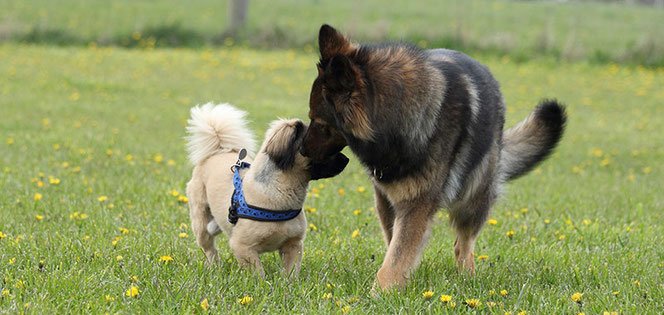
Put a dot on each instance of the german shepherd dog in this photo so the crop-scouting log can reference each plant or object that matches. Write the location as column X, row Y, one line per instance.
column 428, row 127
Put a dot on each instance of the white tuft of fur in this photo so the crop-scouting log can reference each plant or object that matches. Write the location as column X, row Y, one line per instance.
column 216, row 129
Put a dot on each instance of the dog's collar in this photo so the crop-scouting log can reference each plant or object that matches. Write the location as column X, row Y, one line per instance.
column 241, row 209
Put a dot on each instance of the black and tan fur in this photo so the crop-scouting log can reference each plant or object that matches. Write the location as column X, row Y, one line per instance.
column 428, row 127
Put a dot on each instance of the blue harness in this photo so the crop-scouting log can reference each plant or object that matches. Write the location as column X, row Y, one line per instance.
column 240, row 209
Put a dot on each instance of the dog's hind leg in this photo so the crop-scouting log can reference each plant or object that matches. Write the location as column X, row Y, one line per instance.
column 412, row 227
column 468, row 217
column 291, row 257
column 385, row 215
column 199, row 212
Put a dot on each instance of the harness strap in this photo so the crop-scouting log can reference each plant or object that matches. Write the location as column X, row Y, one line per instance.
column 240, row 209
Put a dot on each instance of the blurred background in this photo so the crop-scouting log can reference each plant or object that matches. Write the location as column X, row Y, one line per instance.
column 620, row 31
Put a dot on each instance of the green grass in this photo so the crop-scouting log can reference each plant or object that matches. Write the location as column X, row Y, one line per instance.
column 110, row 122
column 523, row 29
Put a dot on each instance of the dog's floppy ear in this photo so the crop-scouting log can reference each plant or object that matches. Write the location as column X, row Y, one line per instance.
column 329, row 167
column 331, row 42
column 281, row 147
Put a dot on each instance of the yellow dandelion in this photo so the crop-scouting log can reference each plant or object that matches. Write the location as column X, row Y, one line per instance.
column 158, row 158
column 310, row 209
column 133, row 291
column 510, row 233
column 361, row 189
column 183, row 235
column 605, row 162
column 522, row 313
column 118, row 258
column 39, row 217
column 586, row 221
column 616, row 292
column 245, row 300
column 10, row 140
column 327, row 296
column 165, row 259
column 576, row 297
column 547, row 221
column 597, row 152
column 40, row 184
column 503, row 292
column 493, row 222
column 647, row 170
column 124, row 231
column 445, row 298
column 183, row 199
column 341, row 192
column 562, row 237
column 355, row 233
column 2, row 235
column 637, row 283
column 473, row 302
column 84, row 216
column 171, row 162
column 483, row 257
column 312, row 227
column 491, row 304
column 524, row 210
column 204, row 304
column 102, row 198
column 38, row 196
column 5, row 292
column 357, row 212
column 54, row 181
column 452, row 304
column 427, row 294
column 56, row 147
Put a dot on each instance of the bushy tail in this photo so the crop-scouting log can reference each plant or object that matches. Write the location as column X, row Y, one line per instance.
column 532, row 140
column 217, row 128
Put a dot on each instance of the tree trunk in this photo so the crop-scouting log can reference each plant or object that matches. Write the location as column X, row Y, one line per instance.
column 237, row 14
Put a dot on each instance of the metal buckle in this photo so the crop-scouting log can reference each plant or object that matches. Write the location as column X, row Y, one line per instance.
column 240, row 157
column 377, row 174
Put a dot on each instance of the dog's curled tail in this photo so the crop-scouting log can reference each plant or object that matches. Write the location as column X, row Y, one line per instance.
column 217, row 128
column 532, row 140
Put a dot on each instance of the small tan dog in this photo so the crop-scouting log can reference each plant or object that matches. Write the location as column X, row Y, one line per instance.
column 277, row 179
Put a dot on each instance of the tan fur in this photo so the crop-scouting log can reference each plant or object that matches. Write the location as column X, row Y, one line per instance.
column 211, row 186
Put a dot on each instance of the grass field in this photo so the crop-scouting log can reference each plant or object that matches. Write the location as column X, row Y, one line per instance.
column 93, row 167
column 524, row 29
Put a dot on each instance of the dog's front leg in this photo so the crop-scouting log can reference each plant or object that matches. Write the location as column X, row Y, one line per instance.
column 411, row 230
column 247, row 256
column 291, row 257
column 385, row 214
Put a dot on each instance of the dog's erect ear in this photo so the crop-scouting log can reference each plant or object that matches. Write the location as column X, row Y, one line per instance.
column 332, row 42
column 341, row 75
column 329, row 167
column 281, row 147
column 343, row 82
